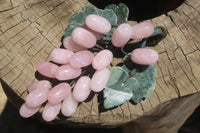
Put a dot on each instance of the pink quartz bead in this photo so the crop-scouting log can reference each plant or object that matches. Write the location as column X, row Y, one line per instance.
column 142, row 30
column 97, row 35
column 83, row 37
column 69, row 44
column 81, row 59
column 99, row 80
column 26, row 111
column 69, row 106
column 67, row 72
column 82, row 89
column 39, row 84
column 36, row 97
column 121, row 35
column 98, row 23
column 47, row 69
column 144, row 56
column 58, row 93
column 102, row 59
column 61, row 56
column 50, row 111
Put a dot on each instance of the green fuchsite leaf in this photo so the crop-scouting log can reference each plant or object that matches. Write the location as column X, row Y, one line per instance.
column 89, row 10
column 115, row 97
column 78, row 18
column 114, row 92
column 147, row 83
column 131, row 81
column 121, row 11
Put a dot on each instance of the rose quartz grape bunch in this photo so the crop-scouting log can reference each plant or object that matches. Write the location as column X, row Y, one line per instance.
column 70, row 61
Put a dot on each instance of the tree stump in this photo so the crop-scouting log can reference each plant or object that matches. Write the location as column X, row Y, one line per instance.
column 31, row 29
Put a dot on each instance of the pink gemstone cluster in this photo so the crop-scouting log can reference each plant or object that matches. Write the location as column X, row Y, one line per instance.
column 62, row 98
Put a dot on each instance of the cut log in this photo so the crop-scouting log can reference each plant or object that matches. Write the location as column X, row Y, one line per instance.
column 30, row 30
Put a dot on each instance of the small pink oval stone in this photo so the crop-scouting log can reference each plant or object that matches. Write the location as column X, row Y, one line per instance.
column 50, row 111
column 67, row 72
column 144, row 56
column 61, row 56
column 69, row 44
column 47, row 69
column 98, row 23
column 97, row 35
column 39, row 84
column 102, row 59
column 83, row 37
column 81, row 59
column 82, row 89
column 142, row 30
column 69, row 106
column 99, row 80
column 58, row 93
column 121, row 35
column 26, row 111
column 36, row 97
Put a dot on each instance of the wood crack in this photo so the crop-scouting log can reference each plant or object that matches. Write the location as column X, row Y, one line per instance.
column 185, row 72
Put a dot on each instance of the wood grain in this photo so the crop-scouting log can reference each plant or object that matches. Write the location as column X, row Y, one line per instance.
column 31, row 29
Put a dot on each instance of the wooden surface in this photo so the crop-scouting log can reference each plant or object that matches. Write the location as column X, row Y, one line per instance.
column 31, row 29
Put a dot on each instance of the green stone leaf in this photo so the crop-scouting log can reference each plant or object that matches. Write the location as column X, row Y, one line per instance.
column 137, row 81
column 69, row 29
column 117, row 76
column 78, row 18
column 119, row 87
column 115, row 97
column 121, row 11
column 108, row 14
column 147, row 82
column 89, row 10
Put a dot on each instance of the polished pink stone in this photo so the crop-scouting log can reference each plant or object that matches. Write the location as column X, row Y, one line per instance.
column 47, row 69
column 61, row 56
column 98, row 23
column 97, row 35
column 81, row 59
column 67, row 72
column 142, row 30
column 99, row 80
column 121, row 35
column 144, row 56
column 69, row 106
column 36, row 97
column 58, row 93
column 83, row 37
column 39, row 84
column 69, row 44
column 26, row 111
column 50, row 111
column 102, row 59
column 82, row 89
